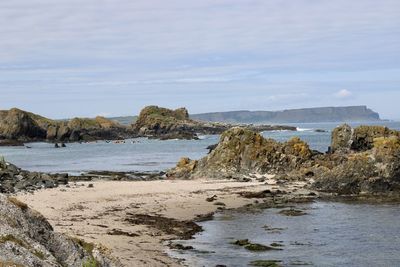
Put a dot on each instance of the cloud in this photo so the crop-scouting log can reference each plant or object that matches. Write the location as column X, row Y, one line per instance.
column 155, row 49
column 344, row 93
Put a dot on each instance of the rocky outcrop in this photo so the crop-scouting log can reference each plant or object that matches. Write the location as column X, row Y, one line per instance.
column 242, row 151
column 357, row 166
column 345, row 138
column 17, row 126
column 370, row 162
column 158, row 122
column 13, row 179
column 28, row 239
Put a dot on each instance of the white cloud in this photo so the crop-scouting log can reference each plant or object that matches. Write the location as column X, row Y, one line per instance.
column 344, row 93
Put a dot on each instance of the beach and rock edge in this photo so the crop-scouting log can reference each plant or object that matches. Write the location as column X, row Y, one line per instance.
column 137, row 216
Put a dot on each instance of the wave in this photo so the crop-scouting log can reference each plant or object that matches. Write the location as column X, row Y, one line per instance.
column 303, row 129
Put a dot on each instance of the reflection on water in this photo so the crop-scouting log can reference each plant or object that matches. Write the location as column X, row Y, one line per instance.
column 331, row 234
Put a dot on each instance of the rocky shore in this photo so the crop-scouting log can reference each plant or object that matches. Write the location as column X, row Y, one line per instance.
column 136, row 220
column 28, row 239
column 364, row 160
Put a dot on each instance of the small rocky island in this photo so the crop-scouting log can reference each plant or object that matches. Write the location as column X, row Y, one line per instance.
column 364, row 160
column 163, row 123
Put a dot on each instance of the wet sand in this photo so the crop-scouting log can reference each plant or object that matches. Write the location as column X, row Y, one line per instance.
column 135, row 220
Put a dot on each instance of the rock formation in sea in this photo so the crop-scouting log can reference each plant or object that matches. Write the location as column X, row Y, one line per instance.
column 163, row 123
column 364, row 160
column 20, row 126
column 28, row 239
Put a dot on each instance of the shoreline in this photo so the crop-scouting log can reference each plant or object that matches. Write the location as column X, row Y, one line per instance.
column 137, row 220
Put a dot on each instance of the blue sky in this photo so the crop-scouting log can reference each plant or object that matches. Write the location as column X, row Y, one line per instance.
column 69, row 58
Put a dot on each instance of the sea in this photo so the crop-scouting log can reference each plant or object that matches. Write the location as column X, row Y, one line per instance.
column 330, row 234
column 142, row 154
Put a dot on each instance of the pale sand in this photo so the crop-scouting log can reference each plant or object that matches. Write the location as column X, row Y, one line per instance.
column 89, row 213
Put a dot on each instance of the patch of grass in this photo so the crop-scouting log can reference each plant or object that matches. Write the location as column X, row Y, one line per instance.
column 18, row 203
column 39, row 254
column 88, row 247
column 90, row 263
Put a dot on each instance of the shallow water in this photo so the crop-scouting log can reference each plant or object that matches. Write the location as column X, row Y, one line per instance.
column 331, row 234
column 143, row 154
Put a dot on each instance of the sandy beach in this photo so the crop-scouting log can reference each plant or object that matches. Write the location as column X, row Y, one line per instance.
column 120, row 215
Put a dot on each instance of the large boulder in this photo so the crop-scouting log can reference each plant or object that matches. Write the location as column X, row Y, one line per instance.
column 27, row 239
column 242, row 151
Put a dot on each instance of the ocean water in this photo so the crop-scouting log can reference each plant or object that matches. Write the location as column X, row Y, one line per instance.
column 331, row 234
column 143, row 154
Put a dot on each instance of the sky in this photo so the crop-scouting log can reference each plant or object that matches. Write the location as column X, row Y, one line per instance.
column 69, row 58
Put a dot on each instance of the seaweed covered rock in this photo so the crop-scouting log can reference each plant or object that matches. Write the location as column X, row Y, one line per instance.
column 374, row 171
column 242, row 151
column 345, row 138
column 27, row 239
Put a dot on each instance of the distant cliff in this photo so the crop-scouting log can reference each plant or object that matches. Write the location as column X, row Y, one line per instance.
column 304, row 115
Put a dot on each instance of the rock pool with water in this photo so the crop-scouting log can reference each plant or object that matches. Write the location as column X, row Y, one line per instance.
column 330, row 234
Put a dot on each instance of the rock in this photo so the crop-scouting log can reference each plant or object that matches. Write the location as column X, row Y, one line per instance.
column 14, row 179
column 28, row 239
column 266, row 263
column 292, row 212
column 252, row 246
column 19, row 125
column 345, row 138
column 365, row 160
column 242, row 151
column 342, row 138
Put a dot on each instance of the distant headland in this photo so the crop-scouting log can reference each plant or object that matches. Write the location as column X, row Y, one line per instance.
column 304, row 115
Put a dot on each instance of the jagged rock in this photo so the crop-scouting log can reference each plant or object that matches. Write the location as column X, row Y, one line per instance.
column 345, row 138
column 374, row 171
column 27, row 239
column 369, row 169
column 342, row 138
column 242, row 151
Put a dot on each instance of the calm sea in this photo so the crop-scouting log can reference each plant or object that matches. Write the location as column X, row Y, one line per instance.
column 142, row 154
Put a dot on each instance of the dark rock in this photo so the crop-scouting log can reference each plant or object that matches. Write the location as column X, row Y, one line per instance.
column 28, row 239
